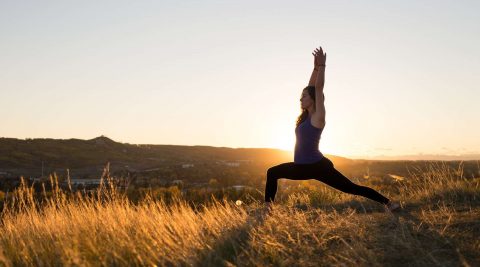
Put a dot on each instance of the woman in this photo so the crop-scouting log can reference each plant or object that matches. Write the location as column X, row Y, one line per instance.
column 309, row 162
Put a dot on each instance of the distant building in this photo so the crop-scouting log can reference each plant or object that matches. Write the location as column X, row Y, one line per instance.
column 236, row 163
column 238, row 187
column 188, row 165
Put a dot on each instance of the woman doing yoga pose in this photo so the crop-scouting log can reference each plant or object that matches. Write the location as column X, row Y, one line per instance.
column 309, row 162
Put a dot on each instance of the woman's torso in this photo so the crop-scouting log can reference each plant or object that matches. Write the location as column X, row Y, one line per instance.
column 307, row 141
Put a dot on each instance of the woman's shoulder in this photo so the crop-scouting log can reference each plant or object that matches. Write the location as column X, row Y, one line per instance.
column 317, row 121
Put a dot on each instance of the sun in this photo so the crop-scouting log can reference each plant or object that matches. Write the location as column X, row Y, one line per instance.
column 284, row 142
column 282, row 134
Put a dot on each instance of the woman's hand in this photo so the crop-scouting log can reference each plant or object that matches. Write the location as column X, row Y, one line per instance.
column 319, row 60
column 319, row 57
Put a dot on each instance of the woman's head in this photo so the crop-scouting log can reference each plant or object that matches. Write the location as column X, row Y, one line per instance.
column 307, row 102
column 308, row 97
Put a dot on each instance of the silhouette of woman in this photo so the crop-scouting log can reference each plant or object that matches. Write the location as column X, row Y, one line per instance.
column 309, row 162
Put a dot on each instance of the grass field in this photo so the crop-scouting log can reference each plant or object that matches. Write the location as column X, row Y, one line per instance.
column 439, row 225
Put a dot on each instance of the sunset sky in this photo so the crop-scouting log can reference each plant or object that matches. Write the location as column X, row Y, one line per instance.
column 402, row 77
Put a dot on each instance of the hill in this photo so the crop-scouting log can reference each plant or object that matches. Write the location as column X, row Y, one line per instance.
column 28, row 156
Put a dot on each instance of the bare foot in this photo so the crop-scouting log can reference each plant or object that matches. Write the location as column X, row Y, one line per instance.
column 392, row 206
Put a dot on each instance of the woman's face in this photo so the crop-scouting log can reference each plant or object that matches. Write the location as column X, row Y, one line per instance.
column 305, row 100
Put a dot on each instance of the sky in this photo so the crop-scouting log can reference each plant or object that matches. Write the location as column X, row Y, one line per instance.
column 402, row 77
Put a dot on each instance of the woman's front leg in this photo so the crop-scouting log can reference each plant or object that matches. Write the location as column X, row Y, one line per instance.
column 288, row 170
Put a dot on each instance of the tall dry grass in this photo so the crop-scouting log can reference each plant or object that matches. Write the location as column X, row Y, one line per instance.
column 439, row 226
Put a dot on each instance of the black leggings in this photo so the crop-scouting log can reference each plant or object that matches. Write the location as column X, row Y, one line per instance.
column 322, row 171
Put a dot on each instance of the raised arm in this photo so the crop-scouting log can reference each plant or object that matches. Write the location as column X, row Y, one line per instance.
column 313, row 77
column 320, row 59
column 320, row 80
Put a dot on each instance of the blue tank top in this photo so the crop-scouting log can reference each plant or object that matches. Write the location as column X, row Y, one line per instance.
column 306, row 146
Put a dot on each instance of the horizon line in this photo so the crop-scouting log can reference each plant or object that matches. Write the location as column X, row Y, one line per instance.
column 418, row 156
